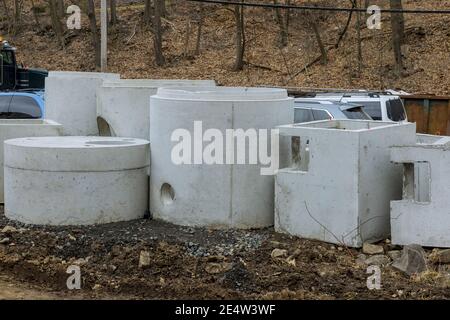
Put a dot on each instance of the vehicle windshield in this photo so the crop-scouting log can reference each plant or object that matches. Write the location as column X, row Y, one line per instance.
column 395, row 110
column 356, row 113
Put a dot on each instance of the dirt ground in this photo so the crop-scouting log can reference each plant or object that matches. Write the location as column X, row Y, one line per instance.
column 189, row 263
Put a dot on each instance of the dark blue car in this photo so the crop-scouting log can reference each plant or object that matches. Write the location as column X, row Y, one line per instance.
column 22, row 105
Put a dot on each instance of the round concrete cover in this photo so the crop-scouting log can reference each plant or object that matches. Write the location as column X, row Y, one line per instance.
column 76, row 153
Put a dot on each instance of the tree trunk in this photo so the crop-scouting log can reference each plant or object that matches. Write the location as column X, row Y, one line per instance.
column 94, row 32
column 17, row 15
column 61, row 8
column 148, row 11
column 113, row 9
column 399, row 19
column 323, row 51
column 56, row 23
column 282, row 25
column 398, row 35
column 157, row 34
column 35, row 15
column 358, row 32
column 240, row 37
column 199, row 30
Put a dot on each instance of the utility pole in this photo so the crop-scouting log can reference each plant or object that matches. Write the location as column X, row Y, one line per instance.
column 104, row 37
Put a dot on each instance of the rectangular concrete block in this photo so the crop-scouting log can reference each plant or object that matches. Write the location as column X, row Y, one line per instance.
column 423, row 215
column 10, row 129
column 341, row 181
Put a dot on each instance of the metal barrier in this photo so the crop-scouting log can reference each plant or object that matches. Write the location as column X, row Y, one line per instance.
column 431, row 113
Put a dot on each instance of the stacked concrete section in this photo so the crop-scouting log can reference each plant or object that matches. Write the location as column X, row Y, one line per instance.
column 76, row 180
column 341, row 181
column 71, row 99
column 423, row 216
column 10, row 129
column 123, row 105
column 195, row 192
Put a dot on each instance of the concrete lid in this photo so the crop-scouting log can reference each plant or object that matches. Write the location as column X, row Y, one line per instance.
column 337, row 126
column 76, row 74
column 221, row 93
column 155, row 83
column 76, row 153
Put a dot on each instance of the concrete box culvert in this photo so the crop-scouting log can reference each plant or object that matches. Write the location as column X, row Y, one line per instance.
column 423, row 215
column 71, row 99
column 123, row 105
column 214, row 195
column 76, row 180
column 340, row 183
column 12, row 128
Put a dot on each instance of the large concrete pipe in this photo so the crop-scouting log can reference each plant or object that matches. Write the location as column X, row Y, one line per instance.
column 123, row 105
column 204, row 193
column 76, row 180
column 71, row 99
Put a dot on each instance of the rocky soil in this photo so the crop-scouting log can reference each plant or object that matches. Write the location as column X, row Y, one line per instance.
column 155, row 260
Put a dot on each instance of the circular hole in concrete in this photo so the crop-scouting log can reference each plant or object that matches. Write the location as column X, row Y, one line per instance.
column 108, row 143
column 104, row 128
column 167, row 194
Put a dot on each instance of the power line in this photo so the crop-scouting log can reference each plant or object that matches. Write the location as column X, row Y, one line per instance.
column 313, row 8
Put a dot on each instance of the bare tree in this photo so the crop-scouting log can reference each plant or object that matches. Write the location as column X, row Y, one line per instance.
column 34, row 9
column 113, row 14
column 201, row 17
column 313, row 22
column 358, row 33
column 148, row 11
column 17, row 15
column 94, row 31
column 56, row 23
column 157, row 33
column 5, row 6
column 240, row 37
column 283, row 23
column 61, row 8
column 398, row 34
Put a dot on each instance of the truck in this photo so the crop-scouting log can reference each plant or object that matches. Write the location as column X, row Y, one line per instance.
column 15, row 77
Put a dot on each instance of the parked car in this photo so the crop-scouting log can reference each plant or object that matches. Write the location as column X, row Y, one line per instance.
column 22, row 105
column 327, row 110
column 379, row 106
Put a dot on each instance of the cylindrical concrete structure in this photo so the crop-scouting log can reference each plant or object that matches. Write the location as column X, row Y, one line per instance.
column 226, row 193
column 76, row 180
column 123, row 105
column 18, row 128
column 71, row 100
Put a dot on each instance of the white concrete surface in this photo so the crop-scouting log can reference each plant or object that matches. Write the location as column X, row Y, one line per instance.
column 124, row 104
column 217, row 195
column 341, row 181
column 76, row 180
column 423, row 216
column 12, row 128
column 71, row 99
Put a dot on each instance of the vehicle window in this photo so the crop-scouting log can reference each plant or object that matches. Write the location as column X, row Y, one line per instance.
column 320, row 115
column 23, row 107
column 303, row 115
column 7, row 57
column 373, row 109
column 356, row 114
column 395, row 110
column 4, row 104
